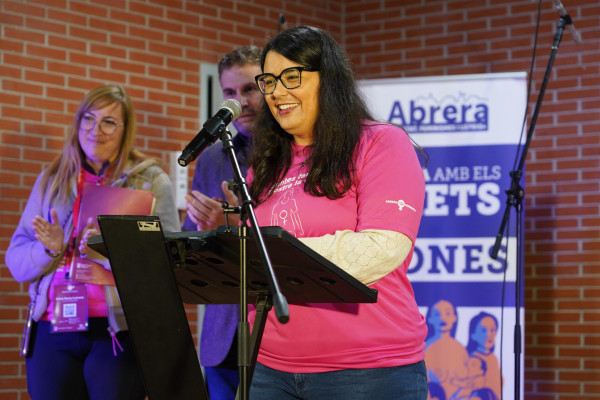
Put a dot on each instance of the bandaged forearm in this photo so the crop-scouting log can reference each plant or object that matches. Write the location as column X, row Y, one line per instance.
column 368, row 255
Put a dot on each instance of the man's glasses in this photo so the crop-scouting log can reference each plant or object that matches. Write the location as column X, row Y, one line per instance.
column 108, row 126
column 290, row 77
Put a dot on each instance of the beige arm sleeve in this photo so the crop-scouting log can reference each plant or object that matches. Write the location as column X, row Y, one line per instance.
column 368, row 255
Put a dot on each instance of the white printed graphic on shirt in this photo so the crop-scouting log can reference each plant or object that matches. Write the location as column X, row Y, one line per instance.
column 401, row 204
column 285, row 214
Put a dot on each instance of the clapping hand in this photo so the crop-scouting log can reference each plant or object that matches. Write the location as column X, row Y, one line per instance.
column 49, row 233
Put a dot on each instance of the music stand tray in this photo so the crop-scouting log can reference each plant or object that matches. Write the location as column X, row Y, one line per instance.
column 208, row 269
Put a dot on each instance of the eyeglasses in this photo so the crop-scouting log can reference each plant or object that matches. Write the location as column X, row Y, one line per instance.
column 290, row 77
column 108, row 126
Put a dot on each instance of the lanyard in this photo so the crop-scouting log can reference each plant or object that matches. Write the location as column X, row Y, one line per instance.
column 76, row 210
column 77, row 204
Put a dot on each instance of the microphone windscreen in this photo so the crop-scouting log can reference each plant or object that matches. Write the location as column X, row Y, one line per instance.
column 234, row 106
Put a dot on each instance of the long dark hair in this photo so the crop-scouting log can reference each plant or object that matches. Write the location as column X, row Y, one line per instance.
column 338, row 127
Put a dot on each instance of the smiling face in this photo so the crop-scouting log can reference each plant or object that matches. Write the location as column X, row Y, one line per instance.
column 97, row 146
column 237, row 82
column 295, row 110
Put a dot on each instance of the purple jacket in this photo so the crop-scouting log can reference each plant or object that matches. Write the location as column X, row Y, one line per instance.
column 28, row 262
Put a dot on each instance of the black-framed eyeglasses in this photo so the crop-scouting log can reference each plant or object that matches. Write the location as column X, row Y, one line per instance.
column 290, row 77
column 108, row 126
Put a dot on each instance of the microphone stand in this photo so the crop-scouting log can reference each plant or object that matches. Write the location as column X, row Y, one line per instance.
column 279, row 300
column 515, row 198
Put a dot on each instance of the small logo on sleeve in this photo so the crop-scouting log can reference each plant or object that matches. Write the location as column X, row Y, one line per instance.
column 401, row 204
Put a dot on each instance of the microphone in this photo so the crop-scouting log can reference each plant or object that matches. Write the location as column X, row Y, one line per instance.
column 211, row 130
column 563, row 13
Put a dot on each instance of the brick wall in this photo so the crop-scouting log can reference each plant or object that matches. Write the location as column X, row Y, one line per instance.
column 52, row 52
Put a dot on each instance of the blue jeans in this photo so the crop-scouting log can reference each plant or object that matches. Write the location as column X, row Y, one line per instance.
column 81, row 365
column 222, row 383
column 407, row 382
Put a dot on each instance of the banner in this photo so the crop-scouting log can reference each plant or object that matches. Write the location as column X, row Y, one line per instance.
column 470, row 126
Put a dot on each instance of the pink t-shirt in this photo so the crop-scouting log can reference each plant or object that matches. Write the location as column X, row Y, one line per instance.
column 388, row 194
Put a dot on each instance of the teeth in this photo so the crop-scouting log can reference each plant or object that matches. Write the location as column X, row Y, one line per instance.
column 286, row 106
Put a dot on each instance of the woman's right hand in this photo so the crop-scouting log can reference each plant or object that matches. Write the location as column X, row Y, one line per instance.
column 89, row 230
column 49, row 233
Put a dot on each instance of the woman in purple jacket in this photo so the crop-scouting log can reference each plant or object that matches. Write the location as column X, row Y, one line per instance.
column 79, row 347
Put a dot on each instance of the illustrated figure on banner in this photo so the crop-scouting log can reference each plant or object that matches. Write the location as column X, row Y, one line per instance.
column 445, row 357
column 483, row 329
column 456, row 372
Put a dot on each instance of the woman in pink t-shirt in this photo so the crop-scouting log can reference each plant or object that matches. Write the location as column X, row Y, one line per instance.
column 352, row 189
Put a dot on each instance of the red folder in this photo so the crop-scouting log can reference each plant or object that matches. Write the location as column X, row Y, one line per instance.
column 104, row 200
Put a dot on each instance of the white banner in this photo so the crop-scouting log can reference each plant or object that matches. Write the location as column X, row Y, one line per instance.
column 470, row 126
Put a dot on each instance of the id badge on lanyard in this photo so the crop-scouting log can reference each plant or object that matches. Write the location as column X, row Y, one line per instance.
column 70, row 308
column 70, row 312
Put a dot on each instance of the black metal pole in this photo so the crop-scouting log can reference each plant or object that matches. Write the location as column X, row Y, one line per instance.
column 278, row 299
column 515, row 199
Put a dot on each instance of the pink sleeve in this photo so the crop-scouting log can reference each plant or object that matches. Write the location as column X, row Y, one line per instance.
column 391, row 185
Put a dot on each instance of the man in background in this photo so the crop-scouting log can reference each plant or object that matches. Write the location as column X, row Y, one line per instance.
column 218, row 342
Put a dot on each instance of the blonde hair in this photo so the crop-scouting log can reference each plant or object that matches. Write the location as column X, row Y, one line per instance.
column 60, row 178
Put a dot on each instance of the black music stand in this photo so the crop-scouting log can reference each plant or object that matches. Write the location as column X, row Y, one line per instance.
column 204, row 268
column 155, row 315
